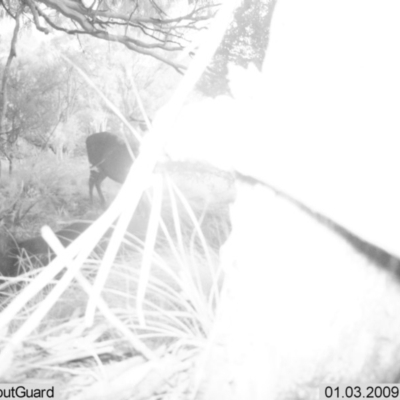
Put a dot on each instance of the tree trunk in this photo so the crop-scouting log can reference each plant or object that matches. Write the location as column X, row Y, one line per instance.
column 10, row 164
column 3, row 89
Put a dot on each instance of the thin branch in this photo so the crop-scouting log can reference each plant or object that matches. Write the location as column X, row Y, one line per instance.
column 158, row 9
column 59, row 28
column 178, row 67
column 149, row 36
column 73, row 10
column 32, row 7
column 7, row 9
column 111, row 15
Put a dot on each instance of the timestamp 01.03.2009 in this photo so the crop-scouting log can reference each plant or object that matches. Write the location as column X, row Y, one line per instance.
column 373, row 391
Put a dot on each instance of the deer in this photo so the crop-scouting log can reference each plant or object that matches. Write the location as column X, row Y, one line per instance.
column 13, row 251
column 109, row 157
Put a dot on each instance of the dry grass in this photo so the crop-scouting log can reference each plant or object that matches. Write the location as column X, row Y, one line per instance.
column 47, row 191
column 156, row 310
column 177, row 309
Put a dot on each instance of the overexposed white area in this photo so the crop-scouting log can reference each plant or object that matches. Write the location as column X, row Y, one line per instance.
column 301, row 308
column 322, row 121
column 202, row 133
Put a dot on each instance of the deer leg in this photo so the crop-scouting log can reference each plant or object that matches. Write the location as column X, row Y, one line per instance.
column 99, row 191
column 91, row 184
column 95, row 179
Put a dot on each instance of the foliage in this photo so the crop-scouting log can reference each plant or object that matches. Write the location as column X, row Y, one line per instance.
column 50, row 106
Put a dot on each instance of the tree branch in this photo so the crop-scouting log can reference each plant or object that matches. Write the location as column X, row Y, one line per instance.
column 148, row 35
column 34, row 12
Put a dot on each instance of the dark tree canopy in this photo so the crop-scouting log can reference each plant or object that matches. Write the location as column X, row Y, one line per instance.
column 245, row 42
column 145, row 26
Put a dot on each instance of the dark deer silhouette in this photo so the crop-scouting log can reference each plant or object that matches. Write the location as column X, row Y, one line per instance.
column 108, row 157
column 36, row 247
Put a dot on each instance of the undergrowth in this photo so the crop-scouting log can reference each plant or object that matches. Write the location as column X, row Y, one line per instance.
column 44, row 191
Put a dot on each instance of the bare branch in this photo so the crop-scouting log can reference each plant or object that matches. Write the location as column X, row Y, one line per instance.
column 8, row 11
column 150, row 34
column 32, row 7
column 73, row 10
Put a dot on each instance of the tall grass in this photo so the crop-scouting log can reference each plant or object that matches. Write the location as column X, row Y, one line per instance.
column 44, row 190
